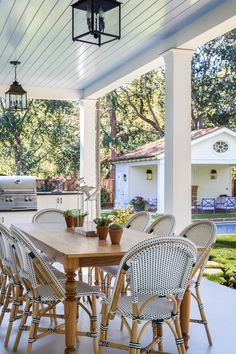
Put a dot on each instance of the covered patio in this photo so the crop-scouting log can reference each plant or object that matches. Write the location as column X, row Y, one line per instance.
column 53, row 67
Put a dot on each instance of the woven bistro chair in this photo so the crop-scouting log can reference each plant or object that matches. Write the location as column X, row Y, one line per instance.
column 163, row 226
column 15, row 294
column 49, row 215
column 139, row 221
column 159, row 270
column 44, row 288
column 202, row 233
column 15, row 291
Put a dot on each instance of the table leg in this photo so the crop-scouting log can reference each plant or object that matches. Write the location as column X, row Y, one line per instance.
column 185, row 316
column 70, row 308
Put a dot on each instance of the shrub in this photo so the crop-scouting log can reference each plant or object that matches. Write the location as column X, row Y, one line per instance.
column 121, row 216
column 104, row 196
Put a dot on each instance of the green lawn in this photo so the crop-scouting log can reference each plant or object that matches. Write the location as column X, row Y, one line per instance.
column 213, row 216
column 224, row 252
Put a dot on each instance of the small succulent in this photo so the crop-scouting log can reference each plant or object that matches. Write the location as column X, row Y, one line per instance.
column 75, row 213
column 68, row 213
column 103, row 221
column 115, row 227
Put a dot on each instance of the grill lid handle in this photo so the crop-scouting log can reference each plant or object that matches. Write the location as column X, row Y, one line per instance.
column 18, row 181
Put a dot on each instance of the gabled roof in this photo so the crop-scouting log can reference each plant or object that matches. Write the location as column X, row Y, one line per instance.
column 155, row 148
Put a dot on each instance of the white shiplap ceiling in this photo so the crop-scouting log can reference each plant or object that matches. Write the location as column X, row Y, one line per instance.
column 38, row 33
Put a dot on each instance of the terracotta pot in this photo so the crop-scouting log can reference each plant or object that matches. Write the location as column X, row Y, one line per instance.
column 80, row 221
column 115, row 236
column 69, row 221
column 102, row 232
column 75, row 221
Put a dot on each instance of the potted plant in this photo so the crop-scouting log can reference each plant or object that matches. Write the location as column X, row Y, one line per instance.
column 69, row 218
column 115, row 232
column 80, row 218
column 102, row 226
column 138, row 203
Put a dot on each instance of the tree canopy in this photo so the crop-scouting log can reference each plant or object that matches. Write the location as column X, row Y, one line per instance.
column 43, row 140
column 140, row 105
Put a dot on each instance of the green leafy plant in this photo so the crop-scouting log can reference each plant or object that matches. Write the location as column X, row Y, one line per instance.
column 68, row 213
column 115, row 226
column 140, row 201
column 228, row 278
column 102, row 221
column 104, row 196
column 76, row 213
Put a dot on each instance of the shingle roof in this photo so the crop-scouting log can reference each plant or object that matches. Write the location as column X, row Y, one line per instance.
column 157, row 147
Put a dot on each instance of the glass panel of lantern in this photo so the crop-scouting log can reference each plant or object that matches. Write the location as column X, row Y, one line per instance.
column 96, row 21
column 16, row 97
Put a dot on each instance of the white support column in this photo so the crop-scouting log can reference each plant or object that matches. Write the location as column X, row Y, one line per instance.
column 160, row 186
column 178, row 136
column 88, row 154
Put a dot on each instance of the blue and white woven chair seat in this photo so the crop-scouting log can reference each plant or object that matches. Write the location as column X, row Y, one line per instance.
column 46, row 292
column 159, row 308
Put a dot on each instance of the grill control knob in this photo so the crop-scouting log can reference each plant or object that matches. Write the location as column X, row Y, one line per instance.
column 26, row 199
column 6, row 200
column 10, row 199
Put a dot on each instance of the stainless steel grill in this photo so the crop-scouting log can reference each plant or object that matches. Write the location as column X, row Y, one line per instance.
column 18, row 193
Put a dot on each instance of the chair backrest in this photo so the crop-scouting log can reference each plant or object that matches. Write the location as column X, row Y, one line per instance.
column 163, row 226
column 157, row 266
column 6, row 249
column 201, row 233
column 49, row 215
column 230, row 203
column 34, row 269
column 139, row 221
column 208, row 203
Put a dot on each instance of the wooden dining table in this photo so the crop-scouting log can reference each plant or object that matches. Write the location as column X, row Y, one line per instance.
column 74, row 250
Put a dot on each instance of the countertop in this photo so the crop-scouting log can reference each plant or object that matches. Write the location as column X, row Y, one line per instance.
column 62, row 193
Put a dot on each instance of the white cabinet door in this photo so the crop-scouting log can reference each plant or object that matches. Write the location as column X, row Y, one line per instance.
column 8, row 218
column 47, row 201
column 69, row 201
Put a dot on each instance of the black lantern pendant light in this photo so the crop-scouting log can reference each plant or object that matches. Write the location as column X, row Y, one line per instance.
column 96, row 21
column 16, row 96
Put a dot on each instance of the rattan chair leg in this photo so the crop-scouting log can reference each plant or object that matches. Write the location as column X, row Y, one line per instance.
column 108, row 285
column 6, row 302
column 157, row 329
column 22, row 324
column 134, row 338
column 93, row 323
column 179, row 335
column 3, row 289
column 102, row 280
column 172, row 327
column 90, row 275
column 33, row 327
column 202, row 314
column 121, row 324
column 14, row 311
column 103, row 328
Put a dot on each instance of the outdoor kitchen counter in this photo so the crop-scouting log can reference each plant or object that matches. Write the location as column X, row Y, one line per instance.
column 63, row 201
column 62, row 193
